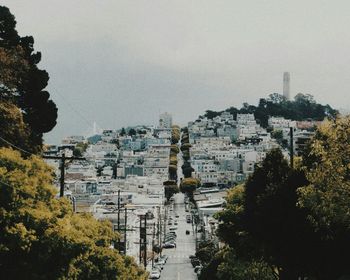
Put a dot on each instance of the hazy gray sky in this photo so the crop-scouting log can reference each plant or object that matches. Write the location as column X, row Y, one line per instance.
column 121, row 63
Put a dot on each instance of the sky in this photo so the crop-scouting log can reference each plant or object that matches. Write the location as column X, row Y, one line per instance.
column 121, row 63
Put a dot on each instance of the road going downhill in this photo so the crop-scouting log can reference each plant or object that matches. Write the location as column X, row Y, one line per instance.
column 178, row 266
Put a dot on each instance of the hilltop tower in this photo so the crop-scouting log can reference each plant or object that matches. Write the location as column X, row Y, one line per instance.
column 286, row 85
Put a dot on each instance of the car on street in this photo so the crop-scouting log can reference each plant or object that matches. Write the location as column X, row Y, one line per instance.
column 164, row 257
column 169, row 240
column 176, row 215
column 175, row 223
column 170, row 237
column 173, row 228
column 161, row 262
column 158, row 266
column 155, row 274
column 187, row 232
column 198, row 267
column 195, row 262
column 169, row 245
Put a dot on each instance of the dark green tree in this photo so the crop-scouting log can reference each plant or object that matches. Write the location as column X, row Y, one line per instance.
column 123, row 132
column 170, row 188
column 132, row 132
column 27, row 91
column 187, row 169
column 42, row 238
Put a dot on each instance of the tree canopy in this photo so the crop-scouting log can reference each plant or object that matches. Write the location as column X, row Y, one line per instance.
column 296, row 221
column 189, row 185
column 40, row 236
column 22, row 82
column 302, row 107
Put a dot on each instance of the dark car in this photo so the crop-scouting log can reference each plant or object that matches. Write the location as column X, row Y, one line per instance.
column 169, row 245
column 195, row 262
column 187, row 232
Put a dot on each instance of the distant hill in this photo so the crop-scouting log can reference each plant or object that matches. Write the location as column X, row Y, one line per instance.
column 301, row 108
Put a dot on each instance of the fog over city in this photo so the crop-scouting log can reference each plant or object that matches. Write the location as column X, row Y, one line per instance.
column 121, row 63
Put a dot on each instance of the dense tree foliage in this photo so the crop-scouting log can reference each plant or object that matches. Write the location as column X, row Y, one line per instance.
column 225, row 265
column 13, row 128
column 170, row 188
column 132, row 132
column 22, row 82
column 295, row 221
column 189, row 185
column 40, row 236
column 302, row 107
column 174, row 149
column 187, row 169
column 175, row 134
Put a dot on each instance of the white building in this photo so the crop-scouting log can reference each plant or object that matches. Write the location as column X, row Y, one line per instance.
column 165, row 120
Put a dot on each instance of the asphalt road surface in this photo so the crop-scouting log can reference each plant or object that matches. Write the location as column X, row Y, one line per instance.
column 178, row 266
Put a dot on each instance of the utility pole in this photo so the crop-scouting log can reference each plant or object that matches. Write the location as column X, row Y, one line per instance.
column 145, row 245
column 118, row 223
column 154, row 229
column 63, row 162
column 118, row 210
column 159, row 232
column 291, row 147
column 125, row 224
column 63, row 159
column 196, row 236
column 141, row 241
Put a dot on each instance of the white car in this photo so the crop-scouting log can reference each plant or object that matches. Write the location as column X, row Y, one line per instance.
column 154, row 274
column 161, row 261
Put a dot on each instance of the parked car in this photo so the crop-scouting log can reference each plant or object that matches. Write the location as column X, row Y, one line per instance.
column 164, row 257
column 176, row 215
column 169, row 245
column 155, row 274
column 173, row 228
column 187, row 232
column 195, row 262
column 198, row 267
column 161, row 261
column 158, row 266
column 169, row 240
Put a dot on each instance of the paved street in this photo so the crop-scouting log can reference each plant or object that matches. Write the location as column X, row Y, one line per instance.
column 178, row 266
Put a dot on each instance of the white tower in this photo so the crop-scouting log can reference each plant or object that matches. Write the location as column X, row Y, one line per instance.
column 286, row 85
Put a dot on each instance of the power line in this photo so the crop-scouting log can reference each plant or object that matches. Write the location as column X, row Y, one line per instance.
column 16, row 147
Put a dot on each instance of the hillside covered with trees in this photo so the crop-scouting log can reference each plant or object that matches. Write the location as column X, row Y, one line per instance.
column 302, row 107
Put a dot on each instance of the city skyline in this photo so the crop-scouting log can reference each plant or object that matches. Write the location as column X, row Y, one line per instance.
column 120, row 63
